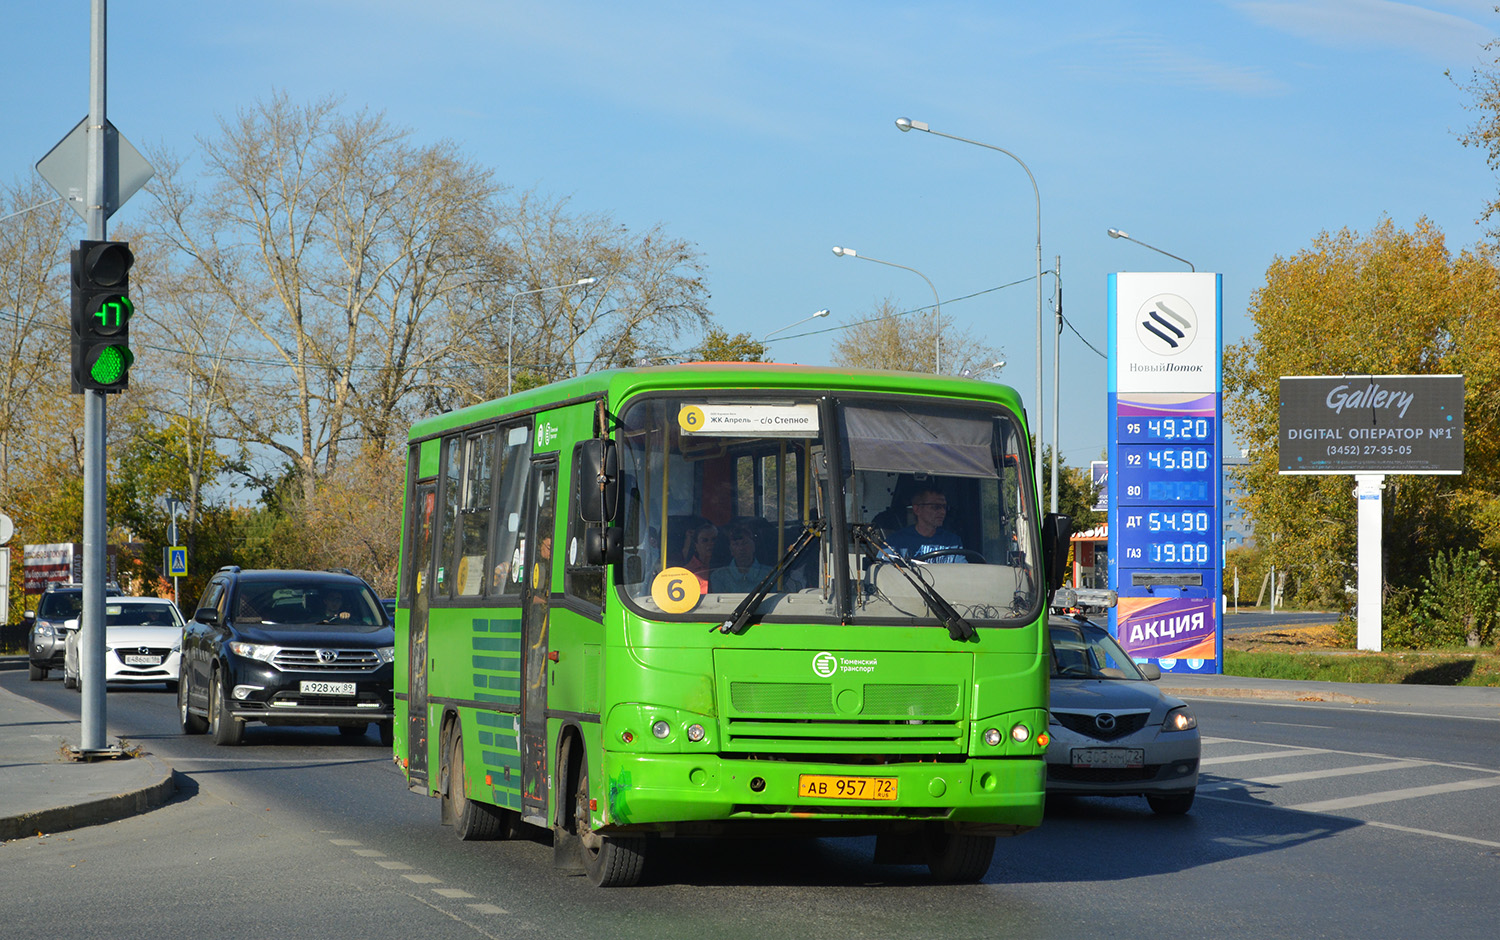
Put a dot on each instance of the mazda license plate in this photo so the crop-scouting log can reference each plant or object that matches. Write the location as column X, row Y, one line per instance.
column 1109, row 757
column 136, row 659
column 327, row 688
column 838, row 787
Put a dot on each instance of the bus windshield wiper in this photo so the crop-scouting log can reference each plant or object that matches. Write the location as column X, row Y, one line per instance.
column 958, row 627
column 739, row 618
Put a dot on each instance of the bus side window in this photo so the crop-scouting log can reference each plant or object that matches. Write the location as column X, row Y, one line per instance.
column 581, row 581
column 508, row 511
column 475, row 509
column 451, row 475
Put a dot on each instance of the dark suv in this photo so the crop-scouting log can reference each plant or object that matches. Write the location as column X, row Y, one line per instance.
column 286, row 648
column 60, row 604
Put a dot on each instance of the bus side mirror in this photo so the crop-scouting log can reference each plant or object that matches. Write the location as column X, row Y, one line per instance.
column 1057, row 530
column 603, row 546
column 598, row 468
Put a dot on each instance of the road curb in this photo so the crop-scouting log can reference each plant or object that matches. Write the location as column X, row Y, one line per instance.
column 95, row 812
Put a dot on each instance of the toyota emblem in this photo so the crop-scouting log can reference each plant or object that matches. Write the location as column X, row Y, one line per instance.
column 327, row 656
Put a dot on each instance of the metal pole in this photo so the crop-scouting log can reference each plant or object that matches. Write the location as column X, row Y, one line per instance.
column 907, row 124
column 1056, row 342
column 91, row 624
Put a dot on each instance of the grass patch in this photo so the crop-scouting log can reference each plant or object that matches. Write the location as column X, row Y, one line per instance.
column 1313, row 654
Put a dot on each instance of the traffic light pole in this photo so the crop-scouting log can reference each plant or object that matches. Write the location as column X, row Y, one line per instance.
column 91, row 626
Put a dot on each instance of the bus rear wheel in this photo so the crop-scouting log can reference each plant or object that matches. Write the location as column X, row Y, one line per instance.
column 609, row 861
column 958, row 857
column 472, row 821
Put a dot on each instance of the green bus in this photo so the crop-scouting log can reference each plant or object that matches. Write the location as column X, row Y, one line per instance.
column 708, row 600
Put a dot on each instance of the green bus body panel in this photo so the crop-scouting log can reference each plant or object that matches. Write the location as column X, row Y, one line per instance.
column 907, row 692
column 616, row 385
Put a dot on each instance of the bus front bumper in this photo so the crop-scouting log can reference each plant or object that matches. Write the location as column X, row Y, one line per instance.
column 666, row 792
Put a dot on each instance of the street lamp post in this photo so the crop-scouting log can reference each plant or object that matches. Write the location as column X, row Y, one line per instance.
column 1116, row 233
column 907, row 124
column 510, row 330
column 937, row 322
column 783, row 329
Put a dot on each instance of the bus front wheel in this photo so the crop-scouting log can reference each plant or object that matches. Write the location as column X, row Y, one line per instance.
column 958, row 857
column 609, row 861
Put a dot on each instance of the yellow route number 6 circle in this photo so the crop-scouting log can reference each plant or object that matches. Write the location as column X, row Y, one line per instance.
column 676, row 590
column 690, row 418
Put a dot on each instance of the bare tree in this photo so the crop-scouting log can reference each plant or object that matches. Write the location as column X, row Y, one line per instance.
column 34, row 359
column 328, row 238
column 647, row 299
column 891, row 339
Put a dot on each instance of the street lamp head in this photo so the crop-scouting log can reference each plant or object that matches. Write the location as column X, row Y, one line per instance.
column 845, row 252
column 820, row 313
column 1116, row 233
column 907, row 124
column 585, row 281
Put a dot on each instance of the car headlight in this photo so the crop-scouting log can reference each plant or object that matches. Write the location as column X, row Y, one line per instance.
column 1179, row 719
column 43, row 630
column 259, row 651
column 387, row 654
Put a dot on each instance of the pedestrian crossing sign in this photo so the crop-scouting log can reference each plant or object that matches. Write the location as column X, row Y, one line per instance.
column 177, row 561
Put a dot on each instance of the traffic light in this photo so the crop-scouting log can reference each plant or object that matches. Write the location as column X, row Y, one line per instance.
column 100, row 316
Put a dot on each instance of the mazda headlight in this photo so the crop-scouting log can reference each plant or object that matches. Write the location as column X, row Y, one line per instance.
column 1179, row 719
column 260, row 651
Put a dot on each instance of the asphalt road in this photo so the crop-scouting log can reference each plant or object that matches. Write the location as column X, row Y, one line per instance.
column 1312, row 820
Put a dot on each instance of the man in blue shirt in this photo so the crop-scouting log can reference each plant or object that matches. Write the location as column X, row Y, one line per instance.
column 927, row 535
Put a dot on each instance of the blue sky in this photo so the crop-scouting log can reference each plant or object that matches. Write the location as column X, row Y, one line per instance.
column 1227, row 133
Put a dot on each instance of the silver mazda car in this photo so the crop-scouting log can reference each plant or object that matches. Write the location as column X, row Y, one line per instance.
column 1113, row 732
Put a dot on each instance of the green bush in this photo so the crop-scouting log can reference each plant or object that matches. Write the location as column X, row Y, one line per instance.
column 1457, row 602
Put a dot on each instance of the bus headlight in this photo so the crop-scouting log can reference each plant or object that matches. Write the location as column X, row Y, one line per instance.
column 1020, row 734
column 695, row 733
column 660, row 728
column 992, row 736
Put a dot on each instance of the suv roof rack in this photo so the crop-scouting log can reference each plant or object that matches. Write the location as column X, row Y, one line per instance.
column 340, row 571
column 230, row 568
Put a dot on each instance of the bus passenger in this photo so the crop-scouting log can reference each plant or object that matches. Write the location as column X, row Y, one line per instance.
column 927, row 534
column 698, row 550
column 743, row 572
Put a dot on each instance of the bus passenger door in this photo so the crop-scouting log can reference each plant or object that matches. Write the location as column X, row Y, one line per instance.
column 534, row 641
column 420, row 592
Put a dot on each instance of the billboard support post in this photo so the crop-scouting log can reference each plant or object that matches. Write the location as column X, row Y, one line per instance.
column 1368, row 488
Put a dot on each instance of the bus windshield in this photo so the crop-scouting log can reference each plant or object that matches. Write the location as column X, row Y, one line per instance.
column 877, row 509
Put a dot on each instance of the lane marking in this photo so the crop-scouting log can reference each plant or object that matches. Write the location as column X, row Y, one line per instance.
column 1262, row 755
column 1436, row 835
column 452, row 892
column 487, row 909
column 1391, row 796
column 1338, row 772
column 369, row 853
column 423, row 879
column 394, row 866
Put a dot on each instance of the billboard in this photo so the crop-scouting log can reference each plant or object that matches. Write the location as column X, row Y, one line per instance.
column 47, row 564
column 1371, row 424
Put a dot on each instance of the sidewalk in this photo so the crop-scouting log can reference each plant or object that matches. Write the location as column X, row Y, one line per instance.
column 42, row 790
